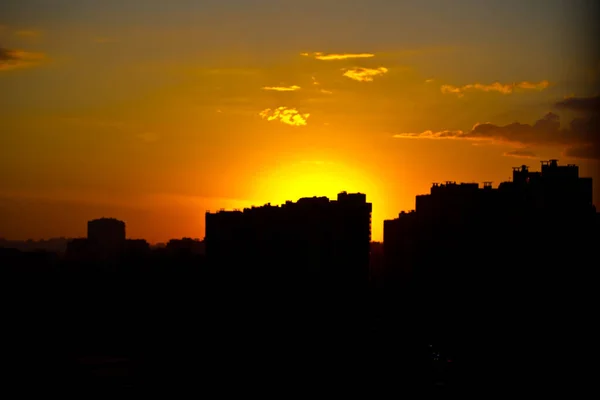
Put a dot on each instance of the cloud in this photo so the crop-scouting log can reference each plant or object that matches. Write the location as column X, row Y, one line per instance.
column 14, row 59
column 326, row 91
column 520, row 154
column 583, row 104
column 364, row 74
column 289, row 116
column 428, row 80
column 587, row 124
column 28, row 33
column 343, row 56
column 504, row 88
column 580, row 139
column 282, row 88
column 431, row 135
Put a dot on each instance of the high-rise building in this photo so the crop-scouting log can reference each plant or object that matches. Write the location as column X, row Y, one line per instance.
column 531, row 234
column 311, row 241
column 107, row 233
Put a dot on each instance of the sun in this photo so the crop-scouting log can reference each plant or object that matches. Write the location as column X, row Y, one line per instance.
column 319, row 177
column 307, row 179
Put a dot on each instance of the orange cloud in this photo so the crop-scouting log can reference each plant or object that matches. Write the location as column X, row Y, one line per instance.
column 504, row 88
column 14, row 59
column 289, row 116
column 364, row 74
column 326, row 91
column 343, row 56
column 431, row 135
column 282, row 88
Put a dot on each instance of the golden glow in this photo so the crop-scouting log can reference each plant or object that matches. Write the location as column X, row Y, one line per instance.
column 321, row 178
column 156, row 123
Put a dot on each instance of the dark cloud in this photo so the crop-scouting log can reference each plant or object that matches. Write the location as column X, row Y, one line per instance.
column 584, row 104
column 587, row 125
column 580, row 138
column 13, row 59
column 5, row 54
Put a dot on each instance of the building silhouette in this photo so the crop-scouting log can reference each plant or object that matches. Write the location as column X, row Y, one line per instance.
column 484, row 267
column 313, row 241
column 516, row 221
column 105, row 242
column 106, row 233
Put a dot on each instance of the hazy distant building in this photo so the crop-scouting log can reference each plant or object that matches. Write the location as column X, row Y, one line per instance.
column 106, row 231
column 105, row 241
column 186, row 246
column 313, row 240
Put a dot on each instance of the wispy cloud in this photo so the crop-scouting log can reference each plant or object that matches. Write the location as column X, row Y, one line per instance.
column 364, row 74
column 289, row 116
column 504, row 88
column 14, row 59
column 282, row 88
column 326, row 91
column 519, row 153
column 342, row 56
column 583, row 104
column 28, row 33
column 428, row 80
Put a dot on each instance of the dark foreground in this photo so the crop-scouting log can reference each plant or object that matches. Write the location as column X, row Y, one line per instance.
column 102, row 329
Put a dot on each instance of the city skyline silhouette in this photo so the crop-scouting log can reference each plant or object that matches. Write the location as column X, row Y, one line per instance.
column 309, row 271
column 138, row 112
column 275, row 197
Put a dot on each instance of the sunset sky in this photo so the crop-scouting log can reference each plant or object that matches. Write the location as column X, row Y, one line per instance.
column 155, row 111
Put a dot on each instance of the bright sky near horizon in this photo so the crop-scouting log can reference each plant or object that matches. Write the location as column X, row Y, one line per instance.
column 155, row 111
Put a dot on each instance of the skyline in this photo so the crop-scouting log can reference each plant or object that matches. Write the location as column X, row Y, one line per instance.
column 155, row 113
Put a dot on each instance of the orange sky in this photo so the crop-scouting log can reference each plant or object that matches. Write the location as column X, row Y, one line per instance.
column 154, row 113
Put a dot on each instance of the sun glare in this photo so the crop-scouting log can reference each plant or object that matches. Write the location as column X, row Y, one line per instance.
column 319, row 177
column 307, row 179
